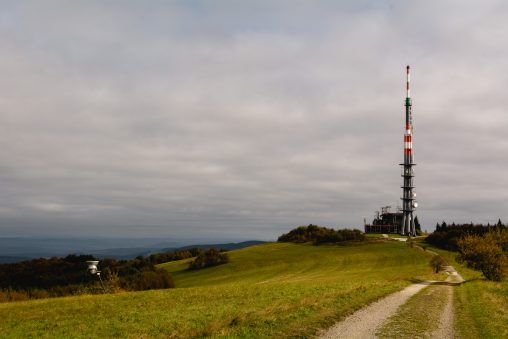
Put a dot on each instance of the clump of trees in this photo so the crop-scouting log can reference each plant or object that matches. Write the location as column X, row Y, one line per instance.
column 481, row 247
column 487, row 253
column 208, row 258
column 159, row 258
column 54, row 277
column 135, row 275
column 447, row 236
column 321, row 235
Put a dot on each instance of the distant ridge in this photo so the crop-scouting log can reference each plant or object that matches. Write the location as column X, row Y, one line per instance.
column 130, row 253
column 125, row 253
column 227, row 246
column 5, row 259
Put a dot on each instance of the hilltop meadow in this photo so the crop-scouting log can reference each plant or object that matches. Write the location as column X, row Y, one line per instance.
column 269, row 290
column 284, row 289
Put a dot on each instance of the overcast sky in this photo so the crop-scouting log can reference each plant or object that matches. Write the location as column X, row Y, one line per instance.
column 247, row 118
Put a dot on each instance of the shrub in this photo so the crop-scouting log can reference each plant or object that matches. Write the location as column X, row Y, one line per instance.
column 484, row 254
column 148, row 280
column 437, row 263
column 410, row 243
column 210, row 257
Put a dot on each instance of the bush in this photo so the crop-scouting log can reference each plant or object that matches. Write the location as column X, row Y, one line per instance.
column 484, row 254
column 410, row 243
column 437, row 263
column 208, row 258
column 148, row 280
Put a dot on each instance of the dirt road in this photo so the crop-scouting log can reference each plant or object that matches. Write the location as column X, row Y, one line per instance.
column 365, row 322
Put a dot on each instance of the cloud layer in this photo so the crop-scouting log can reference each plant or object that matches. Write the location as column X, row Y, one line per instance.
column 246, row 118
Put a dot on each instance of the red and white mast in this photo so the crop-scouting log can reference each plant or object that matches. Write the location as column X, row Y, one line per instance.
column 408, row 196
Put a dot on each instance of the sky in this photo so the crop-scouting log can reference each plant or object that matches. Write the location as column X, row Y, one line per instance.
column 245, row 119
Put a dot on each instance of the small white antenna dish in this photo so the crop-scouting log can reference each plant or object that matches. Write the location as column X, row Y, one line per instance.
column 92, row 268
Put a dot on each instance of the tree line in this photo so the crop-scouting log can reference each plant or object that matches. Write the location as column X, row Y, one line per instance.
column 447, row 236
column 481, row 247
column 55, row 277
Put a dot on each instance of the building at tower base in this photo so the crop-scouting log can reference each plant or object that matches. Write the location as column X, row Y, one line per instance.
column 386, row 222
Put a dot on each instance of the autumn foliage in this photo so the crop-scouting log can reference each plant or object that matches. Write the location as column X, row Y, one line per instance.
column 487, row 253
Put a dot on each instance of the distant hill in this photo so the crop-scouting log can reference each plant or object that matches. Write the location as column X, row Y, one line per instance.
column 26, row 248
column 227, row 246
column 22, row 253
column 10, row 259
column 130, row 253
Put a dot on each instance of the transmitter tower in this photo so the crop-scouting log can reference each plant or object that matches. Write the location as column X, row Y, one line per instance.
column 409, row 203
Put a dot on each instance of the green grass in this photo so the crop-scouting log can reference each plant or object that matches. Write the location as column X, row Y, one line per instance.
column 270, row 290
column 482, row 309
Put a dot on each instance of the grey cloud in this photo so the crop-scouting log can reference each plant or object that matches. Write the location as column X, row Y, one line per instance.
column 246, row 118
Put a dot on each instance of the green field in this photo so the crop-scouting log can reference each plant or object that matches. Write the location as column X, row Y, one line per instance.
column 270, row 290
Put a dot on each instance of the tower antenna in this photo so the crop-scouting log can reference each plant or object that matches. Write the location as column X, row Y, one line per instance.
column 409, row 203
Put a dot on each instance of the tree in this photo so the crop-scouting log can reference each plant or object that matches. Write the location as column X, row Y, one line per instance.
column 437, row 263
column 208, row 258
column 418, row 228
column 484, row 253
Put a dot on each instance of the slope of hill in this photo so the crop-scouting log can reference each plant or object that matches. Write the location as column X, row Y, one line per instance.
column 275, row 289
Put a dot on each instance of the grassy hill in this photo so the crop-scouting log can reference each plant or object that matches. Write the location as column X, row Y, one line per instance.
column 269, row 290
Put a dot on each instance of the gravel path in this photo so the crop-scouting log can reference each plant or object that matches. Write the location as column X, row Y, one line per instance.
column 364, row 322
column 453, row 276
column 445, row 329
